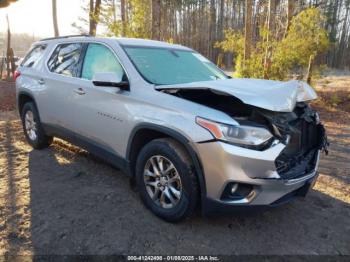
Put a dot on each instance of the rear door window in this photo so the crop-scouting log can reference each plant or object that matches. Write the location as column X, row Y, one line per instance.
column 66, row 59
column 31, row 60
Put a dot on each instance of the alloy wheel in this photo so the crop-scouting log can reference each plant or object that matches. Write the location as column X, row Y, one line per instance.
column 163, row 182
column 30, row 125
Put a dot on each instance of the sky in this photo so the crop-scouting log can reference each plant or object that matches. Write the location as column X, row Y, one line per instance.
column 35, row 17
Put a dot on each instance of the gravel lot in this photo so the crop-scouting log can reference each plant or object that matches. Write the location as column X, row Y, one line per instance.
column 62, row 200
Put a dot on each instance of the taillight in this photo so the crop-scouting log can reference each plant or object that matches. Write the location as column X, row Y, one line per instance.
column 16, row 74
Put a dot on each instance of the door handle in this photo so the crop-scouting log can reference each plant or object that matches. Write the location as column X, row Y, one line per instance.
column 79, row 91
column 41, row 81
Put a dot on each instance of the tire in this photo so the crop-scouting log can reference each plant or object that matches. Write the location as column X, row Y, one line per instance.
column 37, row 139
column 181, row 178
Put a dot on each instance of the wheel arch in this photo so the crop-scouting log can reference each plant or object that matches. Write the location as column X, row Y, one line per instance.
column 144, row 133
column 23, row 98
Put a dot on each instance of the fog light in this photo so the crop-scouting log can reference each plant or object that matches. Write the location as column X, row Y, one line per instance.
column 234, row 188
column 236, row 191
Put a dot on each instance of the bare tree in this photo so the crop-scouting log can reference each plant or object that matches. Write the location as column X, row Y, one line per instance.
column 248, row 29
column 10, row 64
column 344, row 32
column 271, row 32
column 114, row 9
column 155, row 19
column 290, row 12
column 95, row 9
column 54, row 18
column 2, row 63
column 8, row 47
column 123, row 16
column 212, row 29
column 201, row 23
column 6, row 3
column 309, row 69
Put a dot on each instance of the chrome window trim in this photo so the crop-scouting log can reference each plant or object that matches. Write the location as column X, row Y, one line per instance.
column 82, row 42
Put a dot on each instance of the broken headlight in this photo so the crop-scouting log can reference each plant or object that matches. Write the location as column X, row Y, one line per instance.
column 241, row 135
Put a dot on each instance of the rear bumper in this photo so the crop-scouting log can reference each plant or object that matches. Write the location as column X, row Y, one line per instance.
column 211, row 206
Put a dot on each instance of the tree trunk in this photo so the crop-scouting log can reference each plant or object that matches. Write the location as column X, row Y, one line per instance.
column 8, row 52
column 290, row 12
column 342, row 44
column 2, row 63
column 12, row 61
column 309, row 69
column 54, row 18
column 91, row 19
column 212, row 29
column 95, row 8
column 155, row 19
column 114, row 9
column 333, row 32
column 123, row 17
column 270, row 36
column 220, row 28
column 248, row 29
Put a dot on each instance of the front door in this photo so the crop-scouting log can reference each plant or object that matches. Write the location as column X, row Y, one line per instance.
column 100, row 112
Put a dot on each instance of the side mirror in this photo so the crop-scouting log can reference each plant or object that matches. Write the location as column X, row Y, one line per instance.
column 110, row 80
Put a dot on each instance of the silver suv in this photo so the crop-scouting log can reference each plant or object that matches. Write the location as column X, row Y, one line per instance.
column 186, row 132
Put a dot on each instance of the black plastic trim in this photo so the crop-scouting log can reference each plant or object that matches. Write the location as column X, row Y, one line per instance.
column 124, row 85
column 98, row 150
column 65, row 36
column 156, row 47
column 26, row 94
column 180, row 138
column 81, row 58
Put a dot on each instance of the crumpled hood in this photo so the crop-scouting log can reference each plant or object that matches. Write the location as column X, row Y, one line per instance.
column 268, row 94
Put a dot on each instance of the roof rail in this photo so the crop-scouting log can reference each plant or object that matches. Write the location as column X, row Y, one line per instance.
column 65, row 36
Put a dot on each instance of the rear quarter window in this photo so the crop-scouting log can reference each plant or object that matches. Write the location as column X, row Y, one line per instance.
column 34, row 55
column 65, row 60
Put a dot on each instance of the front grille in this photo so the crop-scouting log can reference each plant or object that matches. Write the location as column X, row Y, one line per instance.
column 298, row 166
column 300, row 154
column 310, row 136
column 303, row 135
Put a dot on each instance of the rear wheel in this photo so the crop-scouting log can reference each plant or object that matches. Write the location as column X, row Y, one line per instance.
column 32, row 127
column 166, row 180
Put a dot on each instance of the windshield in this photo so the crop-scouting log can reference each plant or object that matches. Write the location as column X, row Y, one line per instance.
column 163, row 66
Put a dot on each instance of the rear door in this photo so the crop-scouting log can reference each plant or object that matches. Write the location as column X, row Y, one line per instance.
column 64, row 67
column 31, row 75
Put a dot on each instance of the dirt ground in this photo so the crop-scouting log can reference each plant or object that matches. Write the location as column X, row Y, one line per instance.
column 62, row 200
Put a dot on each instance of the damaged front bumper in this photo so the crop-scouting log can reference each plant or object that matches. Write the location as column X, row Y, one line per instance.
column 255, row 172
column 212, row 206
column 240, row 177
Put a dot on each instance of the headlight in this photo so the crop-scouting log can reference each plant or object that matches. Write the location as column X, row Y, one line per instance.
column 241, row 135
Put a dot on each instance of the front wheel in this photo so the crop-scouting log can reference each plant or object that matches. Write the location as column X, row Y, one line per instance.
column 166, row 179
